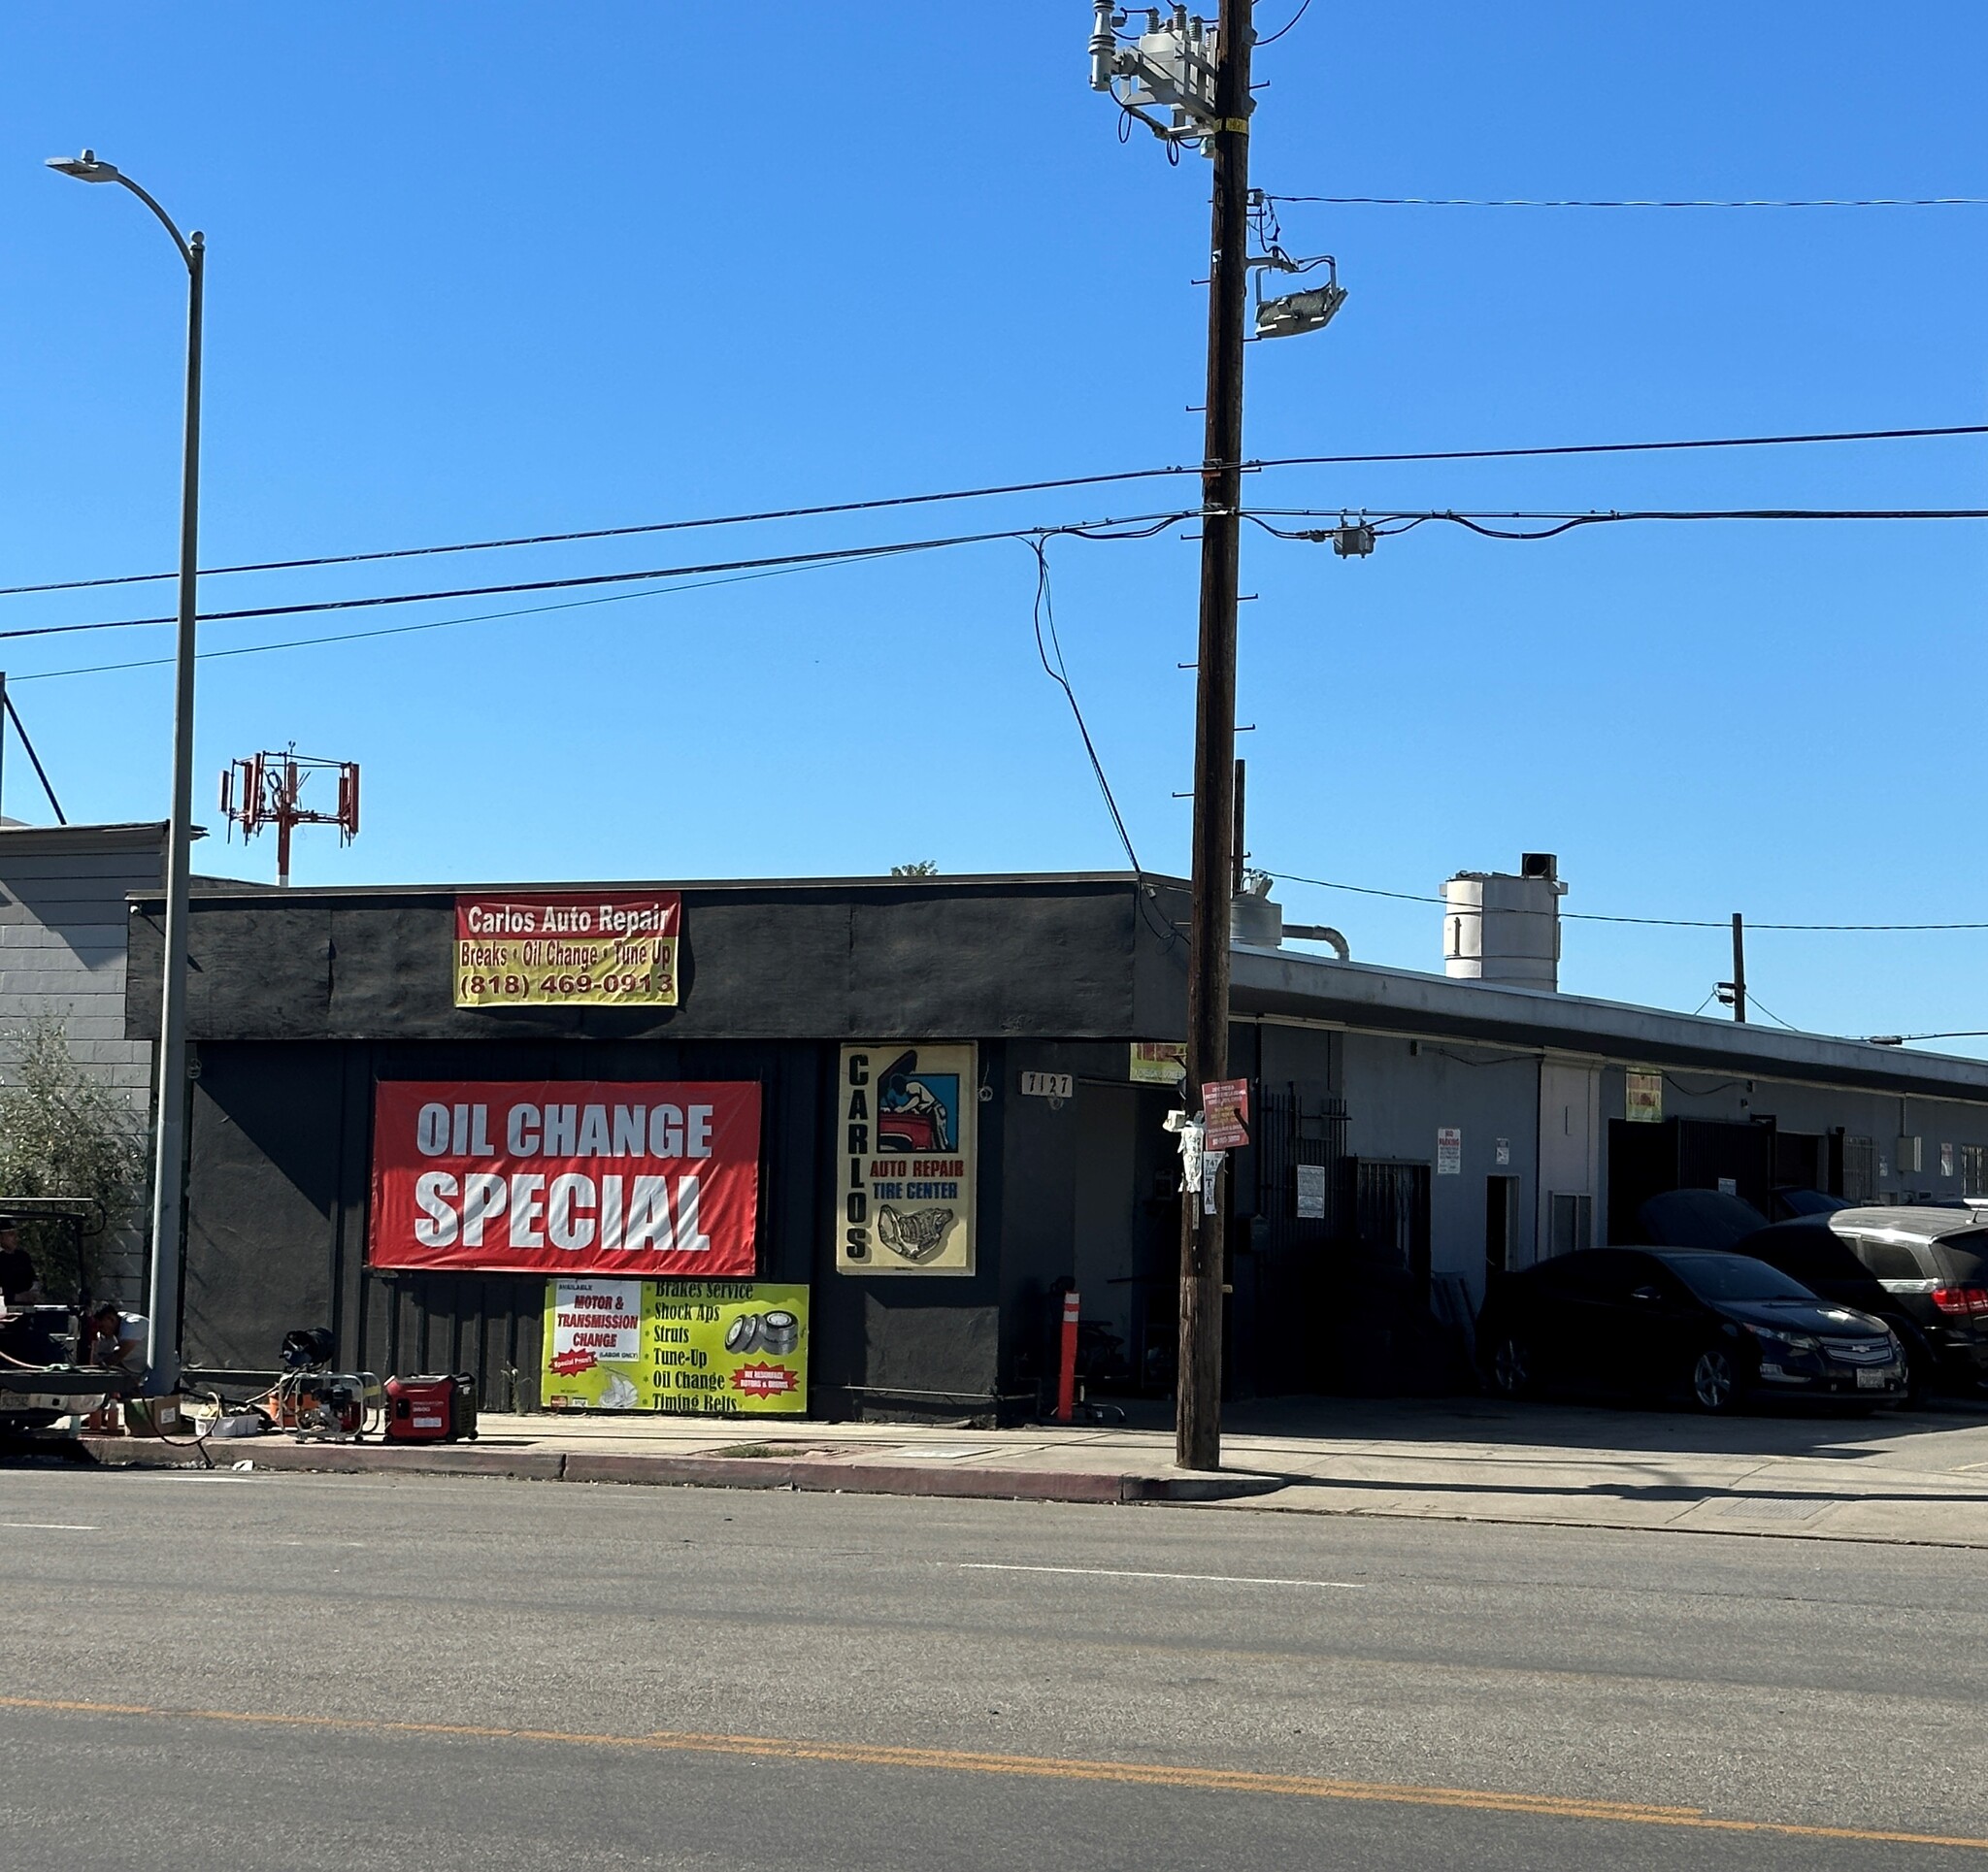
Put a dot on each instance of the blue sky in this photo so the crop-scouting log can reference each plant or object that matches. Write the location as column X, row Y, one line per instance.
column 508, row 269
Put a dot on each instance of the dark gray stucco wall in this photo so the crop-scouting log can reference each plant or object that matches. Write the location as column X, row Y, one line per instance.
column 301, row 1003
column 940, row 961
column 281, row 1151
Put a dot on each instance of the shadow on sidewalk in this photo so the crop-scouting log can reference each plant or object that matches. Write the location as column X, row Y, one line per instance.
column 1625, row 1492
column 1604, row 1430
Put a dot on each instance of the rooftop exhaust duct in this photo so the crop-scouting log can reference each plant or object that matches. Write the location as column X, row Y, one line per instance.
column 1506, row 929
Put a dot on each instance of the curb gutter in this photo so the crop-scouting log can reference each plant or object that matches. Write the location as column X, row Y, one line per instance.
column 813, row 1476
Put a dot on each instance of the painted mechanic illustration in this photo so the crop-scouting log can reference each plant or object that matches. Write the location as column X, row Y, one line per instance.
column 915, row 1112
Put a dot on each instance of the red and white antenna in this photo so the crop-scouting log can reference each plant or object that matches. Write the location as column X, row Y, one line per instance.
column 264, row 791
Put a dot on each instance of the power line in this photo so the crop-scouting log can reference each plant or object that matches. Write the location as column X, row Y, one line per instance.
column 530, row 611
column 1058, row 672
column 1463, row 201
column 1388, row 523
column 1614, row 448
column 410, row 630
column 1143, row 526
column 1652, row 922
column 1754, row 1001
column 630, row 532
column 1044, row 612
column 883, row 503
column 1303, row 7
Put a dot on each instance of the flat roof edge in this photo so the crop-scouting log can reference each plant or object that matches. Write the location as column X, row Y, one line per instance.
column 977, row 882
column 1365, row 994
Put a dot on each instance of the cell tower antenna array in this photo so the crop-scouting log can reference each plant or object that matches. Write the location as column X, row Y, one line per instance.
column 264, row 791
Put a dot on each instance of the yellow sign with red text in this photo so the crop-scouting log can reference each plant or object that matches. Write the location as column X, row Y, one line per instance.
column 689, row 1348
column 567, row 950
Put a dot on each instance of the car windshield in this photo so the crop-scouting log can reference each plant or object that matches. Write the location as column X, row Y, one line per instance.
column 1734, row 1277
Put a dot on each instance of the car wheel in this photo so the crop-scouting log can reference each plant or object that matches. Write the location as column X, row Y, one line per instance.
column 1510, row 1366
column 1715, row 1380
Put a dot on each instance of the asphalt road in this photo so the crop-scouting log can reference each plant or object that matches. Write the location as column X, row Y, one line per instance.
column 262, row 1671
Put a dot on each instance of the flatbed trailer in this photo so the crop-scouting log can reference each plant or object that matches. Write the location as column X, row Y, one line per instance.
column 34, row 1397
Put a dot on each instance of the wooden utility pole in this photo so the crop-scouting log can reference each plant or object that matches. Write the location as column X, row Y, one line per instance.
column 1739, row 969
column 1198, row 1412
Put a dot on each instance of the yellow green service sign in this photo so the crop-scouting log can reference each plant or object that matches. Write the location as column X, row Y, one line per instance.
column 692, row 1348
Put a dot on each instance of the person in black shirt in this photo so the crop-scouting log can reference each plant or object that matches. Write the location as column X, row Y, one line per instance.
column 17, row 1277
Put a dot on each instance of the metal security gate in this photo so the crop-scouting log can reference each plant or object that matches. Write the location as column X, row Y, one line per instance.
column 1390, row 1207
column 1291, row 1219
column 1295, row 1136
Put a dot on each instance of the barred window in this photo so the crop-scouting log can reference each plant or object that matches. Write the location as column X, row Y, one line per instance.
column 1974, row 1170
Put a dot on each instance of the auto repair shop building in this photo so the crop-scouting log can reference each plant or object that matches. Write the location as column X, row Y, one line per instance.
column 917, row 1103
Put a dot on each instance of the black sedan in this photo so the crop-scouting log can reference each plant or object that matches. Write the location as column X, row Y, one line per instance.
column 1722, row 1328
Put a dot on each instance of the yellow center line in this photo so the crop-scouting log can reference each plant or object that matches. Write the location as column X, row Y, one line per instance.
column 1039, row 1767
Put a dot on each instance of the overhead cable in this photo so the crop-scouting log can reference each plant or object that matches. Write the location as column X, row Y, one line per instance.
column 1303, row 7
column 1142, row 525
column 1655, row 922
column 1468, row 201
column 410, row 630
column 773, row 569
column 994, row 491
column 1559, row 523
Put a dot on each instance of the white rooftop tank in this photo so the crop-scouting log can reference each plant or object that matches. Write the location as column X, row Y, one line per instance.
column 1505, row 928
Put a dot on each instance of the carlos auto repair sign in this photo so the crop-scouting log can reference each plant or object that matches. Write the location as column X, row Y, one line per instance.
column 570, row 1176
column 567, row 950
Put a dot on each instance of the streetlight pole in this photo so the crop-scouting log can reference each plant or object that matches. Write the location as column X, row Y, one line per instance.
column 1198, row 1387
column 168, row 1176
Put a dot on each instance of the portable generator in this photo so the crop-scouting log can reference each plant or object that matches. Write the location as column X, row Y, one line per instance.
column 438, row 1407
column 331, row 1406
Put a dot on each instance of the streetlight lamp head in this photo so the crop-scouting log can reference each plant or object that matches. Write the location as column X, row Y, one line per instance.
column 86, row 167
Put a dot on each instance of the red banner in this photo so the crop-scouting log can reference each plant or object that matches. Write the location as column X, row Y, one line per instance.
column 571, row 1176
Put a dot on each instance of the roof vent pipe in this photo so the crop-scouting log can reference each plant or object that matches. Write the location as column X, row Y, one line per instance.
column 1319, row 932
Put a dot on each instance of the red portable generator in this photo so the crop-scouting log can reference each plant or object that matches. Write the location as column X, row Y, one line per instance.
column 438, row 1409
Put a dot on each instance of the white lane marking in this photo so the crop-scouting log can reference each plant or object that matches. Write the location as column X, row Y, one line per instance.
column 57, row 1527
column 1116, row 1573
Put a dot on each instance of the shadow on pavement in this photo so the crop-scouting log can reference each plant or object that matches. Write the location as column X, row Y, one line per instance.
column 1604, row 1430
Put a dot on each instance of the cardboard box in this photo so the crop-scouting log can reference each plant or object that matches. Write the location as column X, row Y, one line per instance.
column 156, row 1417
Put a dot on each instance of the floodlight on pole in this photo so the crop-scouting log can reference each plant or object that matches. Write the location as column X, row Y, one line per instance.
column 169, row 1132
column 1296, row 312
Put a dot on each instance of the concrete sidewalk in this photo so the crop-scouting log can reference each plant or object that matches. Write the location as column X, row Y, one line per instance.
column 1917, row 1477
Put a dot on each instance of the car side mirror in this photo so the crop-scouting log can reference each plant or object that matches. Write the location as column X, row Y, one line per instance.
column 1646, row 1293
